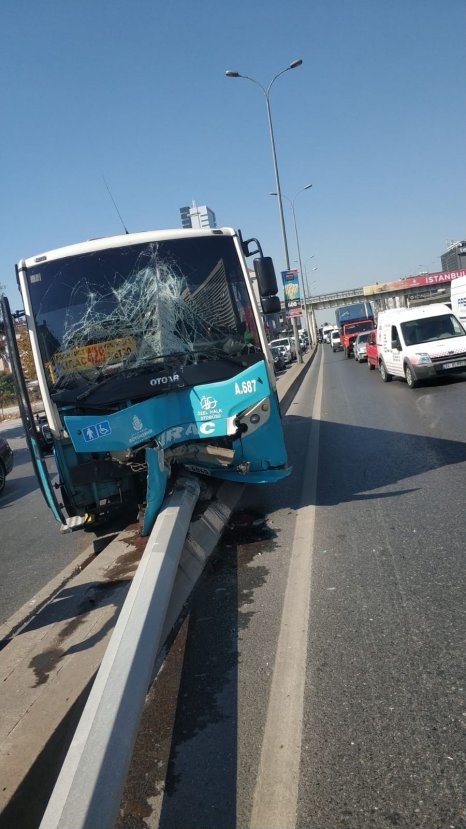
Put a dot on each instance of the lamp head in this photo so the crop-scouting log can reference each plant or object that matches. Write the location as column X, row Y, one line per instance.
column 294, row 64
column 232, row 73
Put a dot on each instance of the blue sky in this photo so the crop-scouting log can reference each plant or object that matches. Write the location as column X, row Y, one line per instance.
column 135, row 91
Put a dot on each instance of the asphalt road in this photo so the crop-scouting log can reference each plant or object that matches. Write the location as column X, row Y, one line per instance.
column 361, row 559
column 32, row 549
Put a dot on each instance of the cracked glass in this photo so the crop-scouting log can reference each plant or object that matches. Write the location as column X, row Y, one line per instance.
column 124, row 310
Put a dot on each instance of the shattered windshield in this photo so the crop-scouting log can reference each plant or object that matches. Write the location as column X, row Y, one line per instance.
column 135, row 308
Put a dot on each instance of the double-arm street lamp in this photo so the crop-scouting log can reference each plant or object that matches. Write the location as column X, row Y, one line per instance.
column 232, row 73
column 301, row 274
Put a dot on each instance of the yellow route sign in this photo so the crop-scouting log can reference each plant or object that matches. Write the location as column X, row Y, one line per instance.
column 94, row 354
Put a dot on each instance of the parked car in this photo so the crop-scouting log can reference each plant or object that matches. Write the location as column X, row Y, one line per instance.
column 303, row 341
column 6, row 461
column 359, row 347
column 285, row 352
column 335, row 341
column 44, row 433
column 372, row 351
column 288, row 344
column 279, row 358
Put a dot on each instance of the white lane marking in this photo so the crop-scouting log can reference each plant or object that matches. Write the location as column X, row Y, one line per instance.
column 276, row 792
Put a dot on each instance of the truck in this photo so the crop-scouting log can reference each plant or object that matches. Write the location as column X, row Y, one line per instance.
column 458, row 298
column 351, row 320
column 151, row 357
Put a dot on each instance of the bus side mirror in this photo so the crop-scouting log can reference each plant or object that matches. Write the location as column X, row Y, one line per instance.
column 266, row 279
column 271, row 305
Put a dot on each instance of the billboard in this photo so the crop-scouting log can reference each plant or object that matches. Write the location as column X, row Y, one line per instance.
column 292, row 294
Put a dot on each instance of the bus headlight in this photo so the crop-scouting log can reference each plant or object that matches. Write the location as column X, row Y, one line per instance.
column 249, row 419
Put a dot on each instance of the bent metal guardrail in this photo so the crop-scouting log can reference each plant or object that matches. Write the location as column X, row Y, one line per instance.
column 89, row 788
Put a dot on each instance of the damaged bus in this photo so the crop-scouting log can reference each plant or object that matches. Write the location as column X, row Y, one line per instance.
column 151, row 356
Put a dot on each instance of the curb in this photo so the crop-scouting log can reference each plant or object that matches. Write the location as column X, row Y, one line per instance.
column 293, row 387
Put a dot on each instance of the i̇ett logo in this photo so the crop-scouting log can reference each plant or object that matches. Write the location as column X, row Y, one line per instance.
column 137, row 423
column 208, row 403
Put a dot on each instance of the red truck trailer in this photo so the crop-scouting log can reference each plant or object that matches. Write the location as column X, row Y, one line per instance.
column 351, row 320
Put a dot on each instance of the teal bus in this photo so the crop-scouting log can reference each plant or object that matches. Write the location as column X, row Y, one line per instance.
column 151, row 356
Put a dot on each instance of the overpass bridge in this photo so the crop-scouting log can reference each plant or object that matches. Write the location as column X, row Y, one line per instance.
column 322, row 301
column 409, row 291
column 406, row 292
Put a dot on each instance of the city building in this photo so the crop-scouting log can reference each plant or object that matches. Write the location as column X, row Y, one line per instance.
column 197, row 216
column 455, row 257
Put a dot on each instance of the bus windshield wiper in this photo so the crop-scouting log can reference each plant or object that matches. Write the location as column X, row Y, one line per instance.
column 95, row 384
column 179, row 359
column 70, row 380
column 219, row 353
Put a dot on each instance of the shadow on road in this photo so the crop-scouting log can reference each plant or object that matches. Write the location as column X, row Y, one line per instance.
column 10, row 430
column 355, row 462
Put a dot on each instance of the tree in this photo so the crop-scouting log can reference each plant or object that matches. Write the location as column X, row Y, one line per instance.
column 7, row 386
column 25, row 352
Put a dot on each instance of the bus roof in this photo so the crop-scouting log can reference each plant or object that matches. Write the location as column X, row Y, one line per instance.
column 106, row 242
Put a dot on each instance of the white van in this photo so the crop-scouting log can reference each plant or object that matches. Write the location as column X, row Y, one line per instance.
column 326, row 329
column 416, row 343
column 458, row 299
column 335, row 341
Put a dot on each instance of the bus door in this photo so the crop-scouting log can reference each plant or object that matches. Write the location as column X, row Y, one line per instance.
column 27, row 415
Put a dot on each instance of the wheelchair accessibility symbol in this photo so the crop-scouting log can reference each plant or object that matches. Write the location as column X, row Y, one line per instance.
column 98, row 430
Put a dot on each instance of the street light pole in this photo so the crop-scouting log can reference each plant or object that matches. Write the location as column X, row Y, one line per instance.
column 292, row 201
column 232, row 73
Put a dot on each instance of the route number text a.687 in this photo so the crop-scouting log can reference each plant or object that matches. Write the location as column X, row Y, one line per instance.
column 245, row 387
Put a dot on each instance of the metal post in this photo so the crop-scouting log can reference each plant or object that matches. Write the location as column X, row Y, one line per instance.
column 282, row 221
column 231, row 73
column 300, row 269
